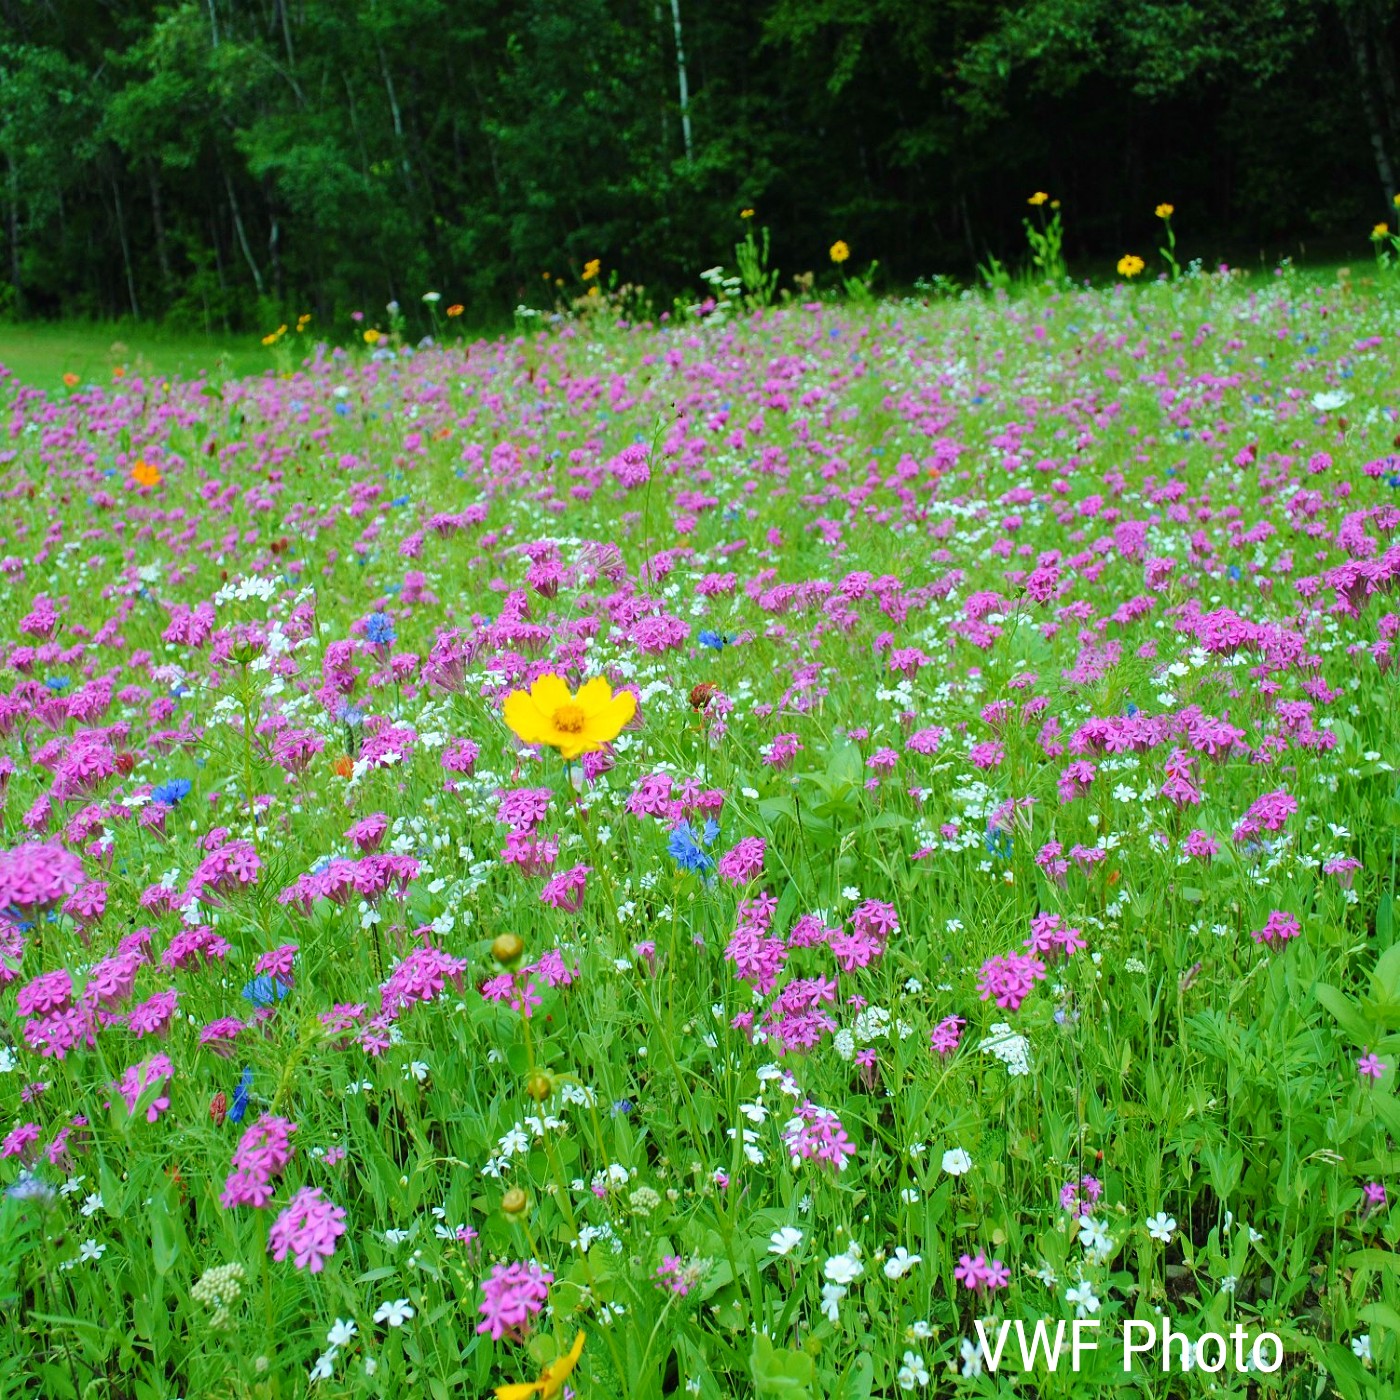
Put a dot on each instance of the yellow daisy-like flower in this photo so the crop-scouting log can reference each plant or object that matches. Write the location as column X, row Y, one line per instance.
column 1380, row 230
column 1165, row 211
column 372, row 336
column 1039, row 197
column 746, row 213
column 1129, row 265
column 549, row 714
column 551, row 1380
column 591, row 269
column 839, row 251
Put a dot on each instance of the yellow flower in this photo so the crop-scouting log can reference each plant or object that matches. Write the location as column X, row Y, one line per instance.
column 1129, row 265
column 1165, row 211
column 372, row 336
column 551, row 1380
column 591, row 269
column 574, row 724
column 1396, row 201
column 270, row 339
column 455, row 309
column 746, row 213
column 1380, row 230
column 1039, row 197
column 144, row 474
column 839, row 251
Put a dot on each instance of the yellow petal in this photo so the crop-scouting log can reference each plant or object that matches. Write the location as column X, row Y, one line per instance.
column 560, row 1369
column 523, row 717
column 520, row 1390
column 594, row 695
column 549, row 692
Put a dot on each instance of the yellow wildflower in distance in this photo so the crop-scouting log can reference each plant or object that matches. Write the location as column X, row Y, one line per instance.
column 549, row 714
column 1039, row 197
column 1380, row 230
column 591, row 269
column 746, row 213
column 839, row 251
column 372, row 336
column 1129, row 265
column 1165, row 211
column 551, row 1380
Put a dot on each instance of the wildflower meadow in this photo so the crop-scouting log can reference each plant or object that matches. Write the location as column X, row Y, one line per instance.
column 723, row 855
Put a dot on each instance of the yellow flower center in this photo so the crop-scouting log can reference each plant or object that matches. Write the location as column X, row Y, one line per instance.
column 570, row 719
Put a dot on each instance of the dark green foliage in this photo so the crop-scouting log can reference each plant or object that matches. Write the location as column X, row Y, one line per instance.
column 227, row 163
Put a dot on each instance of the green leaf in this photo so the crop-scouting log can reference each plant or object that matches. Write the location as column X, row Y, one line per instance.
column 165, row 1244
column 1345, row 1012
column 1381, row 1315
column 780, row 1372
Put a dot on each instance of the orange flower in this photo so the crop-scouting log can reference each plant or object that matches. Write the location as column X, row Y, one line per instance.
column 455, row 309
column 71, row 380
column 144, row 474
column 119, row 372
column 344, row 766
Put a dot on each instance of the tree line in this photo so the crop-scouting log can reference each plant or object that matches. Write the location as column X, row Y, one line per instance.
column 219, row 163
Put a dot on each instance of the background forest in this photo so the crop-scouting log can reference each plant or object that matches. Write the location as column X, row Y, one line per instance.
column 217, row 163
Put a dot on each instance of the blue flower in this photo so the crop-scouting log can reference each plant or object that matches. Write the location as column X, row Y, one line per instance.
column 714, row 640
column 58, row 684
column 1235, row 572
column 240, row 1096
column 998, row 844
column 685, row 849
column 264, row 990
column 1130, row 709
column 169, row 794
column 622, row 1107
column 379, row 629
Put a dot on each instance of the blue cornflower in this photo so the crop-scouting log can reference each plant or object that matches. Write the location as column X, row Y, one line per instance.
column 379, row 629
column 686, row 851
column 714, row 640
column 622, row 1108
column 998, row 844
column 1130, row 709
column 1235, row 572
column 240, row 1096
column 58, row 684
column 264, row 990
column 169, row 794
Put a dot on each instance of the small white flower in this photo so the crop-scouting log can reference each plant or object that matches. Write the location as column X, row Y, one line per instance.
column 92, row 1204
column 909, row 1196
column 956, row 1161
column 324, row 1368
column 342, row 1333
column 416, row 1069
column 784, row 1241
column 1084, row 1299
column 91, row 1251
column 1361, row 1347
column 1161, row 1227
column 396, row 1313
column 900, row 1262
column 971, row 1357
column 843, row 1269
column 1093, row 1234
column 913, row 1372
column 1227, row 1284
column 832, row 1293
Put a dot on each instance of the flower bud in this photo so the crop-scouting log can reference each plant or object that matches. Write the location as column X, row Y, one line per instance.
column 539, row 1085
column 514, row 1201
column 507, row 948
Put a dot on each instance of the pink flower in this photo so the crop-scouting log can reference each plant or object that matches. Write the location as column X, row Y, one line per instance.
column 947, row 1035
column 744, row 862
column 151, row 1073
column 307, row 1230
column 566, row 890
column 1371, row 1066
column 511, row 1297
column 1008, row 979
column 1278, row 928
column 37, row 875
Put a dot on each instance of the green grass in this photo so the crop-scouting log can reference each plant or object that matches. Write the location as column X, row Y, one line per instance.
column 41, row 354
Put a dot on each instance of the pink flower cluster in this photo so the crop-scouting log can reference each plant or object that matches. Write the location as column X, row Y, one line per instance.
column 262, row 1154
column 307, row 1229
column 1008, row 979
column 511, row 1297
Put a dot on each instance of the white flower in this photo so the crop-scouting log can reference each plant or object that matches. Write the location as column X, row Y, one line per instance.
column 342, row 1333
column 324, row 1368
column 396, row 1313
column 1093, row 1234
column 956, row 1161
column 784, row 1241
column 1161, row 1226
column 92, row 1204
column 91, row 1250
column 416, row 1069
column 909, row 1196
column 900, row 1262
column 971, row 1357
column 432, row 298
column 843, row 1269
column 1361, row 1347
column 1227, row 1284
column 832, row 1293
column 913, row 1372
column 1083, row 1298
column 1328, row 403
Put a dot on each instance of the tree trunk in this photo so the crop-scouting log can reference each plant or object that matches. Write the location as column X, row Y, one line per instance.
column 1360, row 31
column 681, row 81
column 242, row 235
column 158, row 224
column 126, row 248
